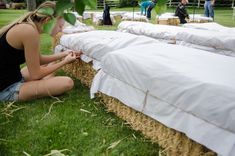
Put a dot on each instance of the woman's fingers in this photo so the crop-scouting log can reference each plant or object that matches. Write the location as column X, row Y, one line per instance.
column 78, row 54
column 73, row 54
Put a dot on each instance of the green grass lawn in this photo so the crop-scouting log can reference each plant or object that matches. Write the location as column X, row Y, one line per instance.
column 78, row 124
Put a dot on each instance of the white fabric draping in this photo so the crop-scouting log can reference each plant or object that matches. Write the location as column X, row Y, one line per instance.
column 187, row 89
column 98, row 43
column 212, row 26
column 217, row 42
column 192, row 17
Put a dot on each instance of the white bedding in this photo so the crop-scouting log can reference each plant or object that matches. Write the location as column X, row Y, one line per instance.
column 136, row 16
column 217, row 42
column 89, row 14
column 192, row 17
column 199, row 18
column 186, row 89
column 211, row 27
column 78, row 27
column 96, row 44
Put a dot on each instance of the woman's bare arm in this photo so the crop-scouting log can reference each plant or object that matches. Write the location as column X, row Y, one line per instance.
column 46, row 59
column 31, row 41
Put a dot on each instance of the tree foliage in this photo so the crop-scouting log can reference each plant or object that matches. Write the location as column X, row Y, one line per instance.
column 63, row 8
column 128, row 3
column 161, row 6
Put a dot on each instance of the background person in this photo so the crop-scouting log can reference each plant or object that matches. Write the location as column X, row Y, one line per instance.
column 106, row 16
column 181, row 11
column 36, row 80
column 209, row 8
column 151, row 6
column 143, row 7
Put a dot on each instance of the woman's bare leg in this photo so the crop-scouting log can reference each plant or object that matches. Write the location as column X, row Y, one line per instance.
column 45, row 87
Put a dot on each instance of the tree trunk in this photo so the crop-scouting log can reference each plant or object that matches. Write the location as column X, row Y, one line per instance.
column 31, row 5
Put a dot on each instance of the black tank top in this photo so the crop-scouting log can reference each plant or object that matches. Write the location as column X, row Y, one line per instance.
column 10, row 61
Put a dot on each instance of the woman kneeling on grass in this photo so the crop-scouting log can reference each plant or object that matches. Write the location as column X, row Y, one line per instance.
column 19, row 43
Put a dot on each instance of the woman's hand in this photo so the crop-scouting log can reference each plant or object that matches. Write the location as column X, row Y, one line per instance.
column 65, row 53
column 78, row 54
column 72, row 56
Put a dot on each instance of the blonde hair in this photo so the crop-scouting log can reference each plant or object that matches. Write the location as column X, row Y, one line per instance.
column 31, row 17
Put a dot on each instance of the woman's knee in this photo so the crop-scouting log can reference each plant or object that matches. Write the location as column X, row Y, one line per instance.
column 68, row 83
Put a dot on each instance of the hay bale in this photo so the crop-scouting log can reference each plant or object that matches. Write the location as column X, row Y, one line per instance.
column 174, row 142
column 18, row 6
column 168, row 21
column 82, row 71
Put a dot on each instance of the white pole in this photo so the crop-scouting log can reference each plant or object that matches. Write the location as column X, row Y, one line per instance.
column 170, row 3
column 233, row 4
column 198, row 4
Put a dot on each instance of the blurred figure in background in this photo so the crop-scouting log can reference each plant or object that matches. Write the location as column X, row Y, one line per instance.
column 209, row 8
column 143, row 7
column 106, row 16
column 181, row 11
column 151, row 6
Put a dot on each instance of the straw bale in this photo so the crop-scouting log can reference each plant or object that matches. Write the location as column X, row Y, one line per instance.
column 173, row 142
column 199, row 21
column 169, row 21
column 81, row 70
column 56, row 39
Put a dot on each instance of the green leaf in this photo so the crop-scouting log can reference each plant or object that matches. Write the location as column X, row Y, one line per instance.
column 48, row 27
column 160, row 9
column 79, row 6
column 62, row 5
column 90, row 3
column 69, row 17
column 161, row 2
column 46, row 11
column 161, row 6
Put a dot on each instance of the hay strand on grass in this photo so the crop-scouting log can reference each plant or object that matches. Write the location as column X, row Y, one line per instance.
column 9, row 109
column 57, row 152
column 25, row 153
column 49, row 111
column 86, row 111
column 114, row 144
column 53, row 97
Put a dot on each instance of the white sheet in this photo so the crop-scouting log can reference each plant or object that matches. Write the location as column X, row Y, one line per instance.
column 212, row 26
column 192, row 17
column 196, row 38
column 199, row 18
column 136, row 16
column 77, row 28
column 195, row 87
column 96, row 44
column 187, row 89
column 89, row 14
